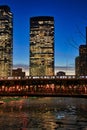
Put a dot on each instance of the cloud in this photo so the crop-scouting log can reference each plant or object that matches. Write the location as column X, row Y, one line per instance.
column 68, row 70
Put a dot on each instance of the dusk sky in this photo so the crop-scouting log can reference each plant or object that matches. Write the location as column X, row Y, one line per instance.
column 70, row 21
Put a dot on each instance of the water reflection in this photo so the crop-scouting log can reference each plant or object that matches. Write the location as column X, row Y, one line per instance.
column 44, row 114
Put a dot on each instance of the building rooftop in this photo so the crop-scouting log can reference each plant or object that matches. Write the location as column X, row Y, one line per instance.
column 42, row 18
column 5, row 7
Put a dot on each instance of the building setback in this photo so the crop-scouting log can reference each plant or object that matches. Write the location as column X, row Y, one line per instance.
column 6, row 41
column 42, row 46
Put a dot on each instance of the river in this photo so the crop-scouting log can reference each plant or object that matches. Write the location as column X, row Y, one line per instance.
column 48, row 113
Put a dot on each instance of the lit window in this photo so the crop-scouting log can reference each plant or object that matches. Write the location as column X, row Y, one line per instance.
column 40, row 22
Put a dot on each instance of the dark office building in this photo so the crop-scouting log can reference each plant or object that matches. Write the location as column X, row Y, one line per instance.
column 81, row 60
column 41, row 46
column 60, row 73
column 6, row 41
column 77, row 67
column 18, row 72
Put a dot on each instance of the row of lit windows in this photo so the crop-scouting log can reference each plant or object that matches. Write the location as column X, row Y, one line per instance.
column 3, row 13
column 41, row 29
column 42, row 39
column 41, row 71
column 42, row 22
column 38, row 49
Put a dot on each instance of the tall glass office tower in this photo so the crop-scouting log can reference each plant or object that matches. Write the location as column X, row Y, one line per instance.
column 42, row 46
column 6, row 41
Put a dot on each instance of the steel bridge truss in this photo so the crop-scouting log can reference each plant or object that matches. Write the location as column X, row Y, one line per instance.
column 55, row 86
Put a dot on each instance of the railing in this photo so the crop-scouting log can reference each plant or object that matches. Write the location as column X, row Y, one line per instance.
column 43, row 77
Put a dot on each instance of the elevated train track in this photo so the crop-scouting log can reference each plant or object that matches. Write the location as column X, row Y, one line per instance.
column 44, row 86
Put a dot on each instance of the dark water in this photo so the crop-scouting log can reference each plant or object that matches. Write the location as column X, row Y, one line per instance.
column 44, row 114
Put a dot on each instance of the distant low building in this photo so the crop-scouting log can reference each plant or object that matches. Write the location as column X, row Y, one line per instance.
column 60, row 73
column 18, row 72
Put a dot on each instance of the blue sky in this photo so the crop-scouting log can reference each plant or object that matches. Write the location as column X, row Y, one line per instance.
column 70, row 22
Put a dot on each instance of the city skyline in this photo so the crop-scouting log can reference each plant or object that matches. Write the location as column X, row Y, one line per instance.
column 70, row 22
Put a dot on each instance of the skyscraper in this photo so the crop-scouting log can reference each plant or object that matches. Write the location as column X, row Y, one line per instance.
column 6, row 41
column 41, row 46
column 81, row 60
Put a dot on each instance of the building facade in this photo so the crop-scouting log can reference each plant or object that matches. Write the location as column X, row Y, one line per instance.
column 41, row 46
column 6, row 41
column 18, row 72
column 77, row 67
column 81, row 61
